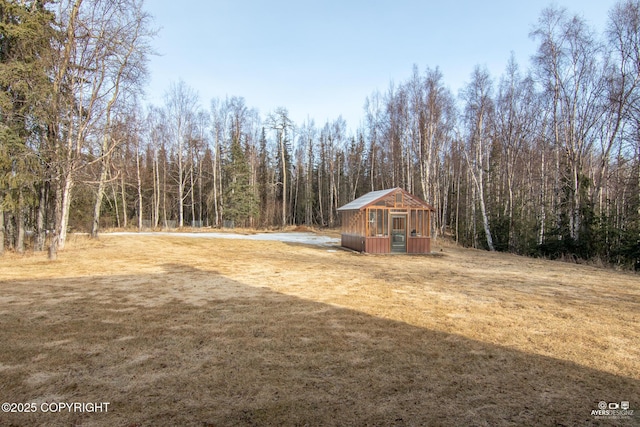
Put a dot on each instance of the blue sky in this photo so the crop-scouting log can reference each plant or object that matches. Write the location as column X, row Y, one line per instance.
column 320, row 59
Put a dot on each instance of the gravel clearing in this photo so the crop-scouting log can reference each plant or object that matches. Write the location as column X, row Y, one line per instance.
column 295, row 237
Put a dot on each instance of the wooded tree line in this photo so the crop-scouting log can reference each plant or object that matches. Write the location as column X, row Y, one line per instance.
column 541, row 161
column 69, row 71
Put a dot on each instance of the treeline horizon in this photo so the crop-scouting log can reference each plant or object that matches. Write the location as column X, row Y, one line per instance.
column 541, row 161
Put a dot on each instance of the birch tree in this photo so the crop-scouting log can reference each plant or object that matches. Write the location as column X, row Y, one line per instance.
column 568, row 68
column 87, row 61
column 128, row 34
column 478, row 116
column 515, row 127
column 280, row 122
column 181, row 104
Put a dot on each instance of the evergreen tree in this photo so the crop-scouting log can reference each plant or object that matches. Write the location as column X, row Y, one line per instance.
column 240, row 201
column 25, row 45
column 263, row 178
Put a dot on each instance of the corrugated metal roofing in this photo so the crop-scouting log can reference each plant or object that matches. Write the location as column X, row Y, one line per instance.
column 366, row 199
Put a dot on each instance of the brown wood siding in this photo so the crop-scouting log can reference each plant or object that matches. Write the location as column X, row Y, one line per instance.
column 418, row 245
column 380, row 245
column 353, row 241
column 377, row 245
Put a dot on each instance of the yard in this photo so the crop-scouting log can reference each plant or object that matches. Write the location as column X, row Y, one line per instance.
column 215, row 332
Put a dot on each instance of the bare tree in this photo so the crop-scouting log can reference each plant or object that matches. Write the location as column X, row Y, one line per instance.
column 218, row 126
column 623, row 89
column 86, row 66
column 308, row 135
column 156, row 137
column 280, row 122
column 478, row 116
column 128, row 34
column 181, row 103
column 373, row 118
column 515, row 125
column 199, row 149
column 567, row 66
column 335, row 139
column 432, row 123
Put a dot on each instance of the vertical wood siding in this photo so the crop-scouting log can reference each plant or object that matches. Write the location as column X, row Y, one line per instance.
column 378, row 245
column 418, row 245
column 353, row 241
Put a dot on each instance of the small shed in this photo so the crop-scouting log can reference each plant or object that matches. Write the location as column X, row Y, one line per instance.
column 387, row 221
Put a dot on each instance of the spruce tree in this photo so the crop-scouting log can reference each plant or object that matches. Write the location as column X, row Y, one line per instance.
column 26, row 32
column 240, row 201
column 263, row 178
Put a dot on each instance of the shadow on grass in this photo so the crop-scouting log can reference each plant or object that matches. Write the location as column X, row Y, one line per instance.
column 191, row 347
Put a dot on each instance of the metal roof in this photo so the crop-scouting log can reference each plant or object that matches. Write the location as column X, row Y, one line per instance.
column 367, row 199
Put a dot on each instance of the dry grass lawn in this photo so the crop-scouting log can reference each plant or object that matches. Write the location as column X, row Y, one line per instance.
column 211, row 332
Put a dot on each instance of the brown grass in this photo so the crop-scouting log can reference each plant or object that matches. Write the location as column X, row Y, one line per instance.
column 179, row 331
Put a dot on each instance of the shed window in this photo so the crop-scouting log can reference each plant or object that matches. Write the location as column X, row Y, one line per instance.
column 419, row 223
column 378, row 222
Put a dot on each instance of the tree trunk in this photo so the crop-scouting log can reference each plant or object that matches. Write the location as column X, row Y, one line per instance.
column 139, row 182
column 40, row 233
column 164, row 192
column 320, row 209
column 284, row 178
column 485, row 219
column 180, row 183
column 214, row 167
column 543, row 197
column 63, row 223
column 57, row 219
column 477, row 174
column 156, row 190
column 104, row 169
column 200, row 195
column 192, row 191
column 332, row 186
column 20, row 224
column 483, row 210
column 123, row 194
column 1, row 232
column 458, row 207
column 575, row 219
column 472, row 203
column 309, row 185
column 372, row 166
column 220, row 211
column 115, row 202
column 511, row 219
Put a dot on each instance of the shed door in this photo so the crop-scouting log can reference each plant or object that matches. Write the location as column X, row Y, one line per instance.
column 398, row 233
